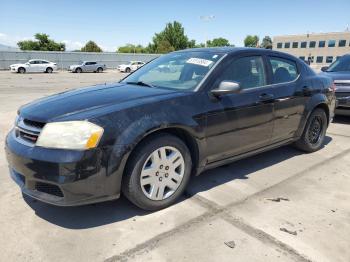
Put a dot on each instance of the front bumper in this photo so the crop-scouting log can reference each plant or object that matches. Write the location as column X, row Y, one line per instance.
column 62, row 177
column 343, row 104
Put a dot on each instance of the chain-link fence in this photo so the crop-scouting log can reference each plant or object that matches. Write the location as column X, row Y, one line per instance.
column 65, row 59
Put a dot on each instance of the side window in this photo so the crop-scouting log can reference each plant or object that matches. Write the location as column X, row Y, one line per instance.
column 283, row 70
column 44, row 62
column 93, row 63
column 247, row 71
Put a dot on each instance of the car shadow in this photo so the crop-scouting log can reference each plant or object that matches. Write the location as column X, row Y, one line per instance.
column 341, row 119
column 95, row 215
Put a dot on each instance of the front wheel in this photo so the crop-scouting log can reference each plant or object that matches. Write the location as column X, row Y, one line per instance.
column 158, row 172
column 21, row 70
column 314, row 132
column 78, row 70
column 127, row 70
column 49, row 70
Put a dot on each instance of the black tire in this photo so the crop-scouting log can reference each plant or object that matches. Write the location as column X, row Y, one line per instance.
column 49, row 70
column 78, row 70
column 314, row 132
column 127, row 70
column 131, row 185
column 21, row 70
column 99, row 70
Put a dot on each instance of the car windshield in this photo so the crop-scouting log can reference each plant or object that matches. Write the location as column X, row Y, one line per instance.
column 179, row 71
column 341, row 64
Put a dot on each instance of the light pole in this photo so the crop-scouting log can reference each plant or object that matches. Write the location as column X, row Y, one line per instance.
column 206, row 18
column 62, row 49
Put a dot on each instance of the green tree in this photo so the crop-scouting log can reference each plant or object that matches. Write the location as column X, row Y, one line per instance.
column 42, row 42
column 91, row 46
column 251, row 41
column 171, row 38
column 266, row 43
column 130, row 48
column 217, row 42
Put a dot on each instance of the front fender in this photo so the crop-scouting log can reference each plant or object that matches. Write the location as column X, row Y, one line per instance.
column 133, row 134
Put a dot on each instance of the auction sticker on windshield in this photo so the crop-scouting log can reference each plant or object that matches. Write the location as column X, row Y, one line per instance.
column 199, row 61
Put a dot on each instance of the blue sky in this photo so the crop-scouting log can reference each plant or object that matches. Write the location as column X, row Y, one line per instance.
column 115, row 23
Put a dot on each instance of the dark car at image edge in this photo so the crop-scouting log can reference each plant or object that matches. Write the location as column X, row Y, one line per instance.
column 339, row 71
column 146, row 135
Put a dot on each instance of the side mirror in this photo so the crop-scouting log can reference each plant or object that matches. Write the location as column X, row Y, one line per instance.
column 226, row 87
column 324, row 68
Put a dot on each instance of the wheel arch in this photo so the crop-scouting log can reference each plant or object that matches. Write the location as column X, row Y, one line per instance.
column 319, row 101
column 179, row 132
column 121, row 155
column 25, row 70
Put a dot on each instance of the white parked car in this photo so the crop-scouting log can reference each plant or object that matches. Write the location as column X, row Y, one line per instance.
column 34, row 65
column 131, row 66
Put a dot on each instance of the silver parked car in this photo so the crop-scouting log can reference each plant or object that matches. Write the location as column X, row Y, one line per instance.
column 87, row 66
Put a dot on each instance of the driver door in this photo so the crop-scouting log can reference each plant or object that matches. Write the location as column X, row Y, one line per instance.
column 134, row 66
column 33, row 66
column 241, row 122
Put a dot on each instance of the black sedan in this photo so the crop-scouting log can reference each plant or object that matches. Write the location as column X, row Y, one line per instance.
column 146, row 135
column 339, row 71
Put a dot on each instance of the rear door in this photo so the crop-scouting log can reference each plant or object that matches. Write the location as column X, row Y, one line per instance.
column 239, row 123
column 43, row 65
column 284, row 78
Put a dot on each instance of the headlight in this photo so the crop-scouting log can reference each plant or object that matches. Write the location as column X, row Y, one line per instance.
column 77, row 135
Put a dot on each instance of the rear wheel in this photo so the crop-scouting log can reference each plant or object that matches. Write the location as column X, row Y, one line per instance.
column 49, row 70
column 314, row 132
column 21, row 70
column 78, row 70
column 158, row 172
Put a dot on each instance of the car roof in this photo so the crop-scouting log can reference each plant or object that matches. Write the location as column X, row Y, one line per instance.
column 38, row 60
column 236, row 50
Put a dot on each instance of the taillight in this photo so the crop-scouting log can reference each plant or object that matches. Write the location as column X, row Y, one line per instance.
column 332, row 88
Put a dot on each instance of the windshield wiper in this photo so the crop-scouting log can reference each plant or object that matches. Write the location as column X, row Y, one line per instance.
column 140, row 83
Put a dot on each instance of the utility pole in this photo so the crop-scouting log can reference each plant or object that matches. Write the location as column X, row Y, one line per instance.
column 206, row 18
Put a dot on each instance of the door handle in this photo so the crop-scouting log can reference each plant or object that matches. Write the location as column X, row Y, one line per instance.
column 265, row 98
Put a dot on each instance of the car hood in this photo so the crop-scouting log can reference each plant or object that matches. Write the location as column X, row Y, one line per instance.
column 74, row 104
column 16, row 65
column 337, row 75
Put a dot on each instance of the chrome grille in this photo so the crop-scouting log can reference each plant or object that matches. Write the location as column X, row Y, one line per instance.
column 28, row 131
column 342, row 94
